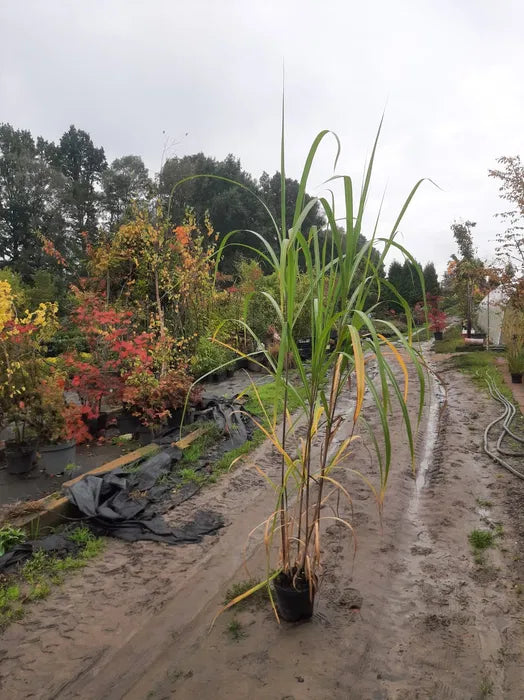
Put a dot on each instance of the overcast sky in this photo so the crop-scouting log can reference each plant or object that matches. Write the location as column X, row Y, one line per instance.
column 447, row 72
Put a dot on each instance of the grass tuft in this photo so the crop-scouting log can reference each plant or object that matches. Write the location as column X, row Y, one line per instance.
column 486, row 687
column 258, row 597
column 41, row 572
column 481, row 539
column 267, row 394
column 235, row 630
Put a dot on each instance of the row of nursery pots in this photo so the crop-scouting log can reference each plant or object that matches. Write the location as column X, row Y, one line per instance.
column 253, row 362
column 53, row 459
column 22, row 457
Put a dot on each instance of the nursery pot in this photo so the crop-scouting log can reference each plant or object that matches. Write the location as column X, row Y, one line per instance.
column 95, row 425
column 128, row 423
column 293, row 604
column 304, row 348
column 55, row 458
column 20, row 457
column 516, row 377
column 438, row 335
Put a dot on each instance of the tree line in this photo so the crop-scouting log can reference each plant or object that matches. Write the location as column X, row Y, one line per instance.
column 68, row 195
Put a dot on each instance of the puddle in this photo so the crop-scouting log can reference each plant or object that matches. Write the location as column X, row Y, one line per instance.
column 436, row 392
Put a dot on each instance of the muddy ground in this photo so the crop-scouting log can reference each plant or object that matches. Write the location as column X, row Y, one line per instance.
column 410, row 616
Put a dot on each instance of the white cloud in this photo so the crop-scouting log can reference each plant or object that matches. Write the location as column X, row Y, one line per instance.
column 449, row 73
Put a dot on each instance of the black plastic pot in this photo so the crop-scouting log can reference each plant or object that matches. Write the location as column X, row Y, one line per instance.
column 304, row 348
column 438, row 335
column 95, row 425
column 55, row 458
column 516, row 377
column 20, row 457
column 293, row 604
column 128, row 423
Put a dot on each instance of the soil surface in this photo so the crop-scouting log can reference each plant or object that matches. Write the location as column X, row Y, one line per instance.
column 410, row 615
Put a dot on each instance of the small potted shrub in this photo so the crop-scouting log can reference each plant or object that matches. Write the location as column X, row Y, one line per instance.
column 22, row 348
column 516, row 366
column 513, row 332
column 155, row 400
column 211, row 360
column 437, row 318
column 20, row 449
column 59, row 425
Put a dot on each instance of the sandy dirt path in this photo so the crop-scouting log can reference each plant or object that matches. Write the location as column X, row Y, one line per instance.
column 411, row 616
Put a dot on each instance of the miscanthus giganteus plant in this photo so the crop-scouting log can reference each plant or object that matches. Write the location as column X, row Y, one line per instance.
column 342, row 301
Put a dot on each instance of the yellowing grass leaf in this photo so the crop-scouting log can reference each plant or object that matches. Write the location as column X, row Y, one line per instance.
column 401, row 363
column 359, row 370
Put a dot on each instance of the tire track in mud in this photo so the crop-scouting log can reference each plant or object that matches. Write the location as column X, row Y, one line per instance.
column 409, row 618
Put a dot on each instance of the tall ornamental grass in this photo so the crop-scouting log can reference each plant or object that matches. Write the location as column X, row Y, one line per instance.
column 344, row 279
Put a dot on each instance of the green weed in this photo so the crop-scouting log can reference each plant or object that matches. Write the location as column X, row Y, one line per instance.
column 486, row 687
column 71, row 468
column 197, row 448
column 476, row 364
column 258, row 597
column 81, row 535
column 483, row 503
column 42, row 571
column 188, row 475
column 481, row 539
column 224, row 463
column 235, row 630
column 267, row 395
column 131, row 468
column 10, row 537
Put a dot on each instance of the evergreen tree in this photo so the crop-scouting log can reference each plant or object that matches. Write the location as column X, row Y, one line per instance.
column 431, row 279
column 31, row 202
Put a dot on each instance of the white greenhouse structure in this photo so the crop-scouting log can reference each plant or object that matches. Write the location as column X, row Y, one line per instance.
column 490, row 314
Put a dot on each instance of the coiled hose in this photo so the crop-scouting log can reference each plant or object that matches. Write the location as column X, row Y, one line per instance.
column 506, row 418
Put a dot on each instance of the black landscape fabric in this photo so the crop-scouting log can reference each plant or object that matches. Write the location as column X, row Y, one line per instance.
column 122, row 504
column 57, row 544
column 125, row 504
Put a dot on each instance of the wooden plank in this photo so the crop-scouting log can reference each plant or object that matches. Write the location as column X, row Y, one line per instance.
column 54, row 508
column 191, row 437
column 122, row 461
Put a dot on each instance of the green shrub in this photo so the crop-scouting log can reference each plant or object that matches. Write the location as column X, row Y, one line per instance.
column 208, row 356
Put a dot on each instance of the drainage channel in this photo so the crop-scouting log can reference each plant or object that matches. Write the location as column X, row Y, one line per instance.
column 429, row 440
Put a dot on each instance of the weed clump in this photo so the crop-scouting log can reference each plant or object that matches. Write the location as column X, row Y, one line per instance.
column 34, row 580
column 481, row 539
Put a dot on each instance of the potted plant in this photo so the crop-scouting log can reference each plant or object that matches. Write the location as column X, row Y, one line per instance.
column 20, row 449
column 513, row 334
column 437, row 318
column 339, row 299
column 155, row 399
column 22, row 350
column 211, row 361
column 516, row 367
column 59, row 425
